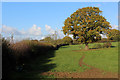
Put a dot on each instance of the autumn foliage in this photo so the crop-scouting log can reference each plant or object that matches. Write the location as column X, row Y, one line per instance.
column 67, row 40
column 87, row 24
column 114, row 34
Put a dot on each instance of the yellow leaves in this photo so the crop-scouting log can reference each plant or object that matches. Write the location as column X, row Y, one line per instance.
column 72, row 32
column 110, row 26
column 97, row 32
column 76, row 32
column 83, row 25
column 90, row 31
column 87, row 22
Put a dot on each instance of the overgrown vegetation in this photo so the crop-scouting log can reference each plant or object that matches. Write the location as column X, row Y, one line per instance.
column 105, row 45
column 15, row 56
column 8, row 59
column 114, row 35
column 97, row 46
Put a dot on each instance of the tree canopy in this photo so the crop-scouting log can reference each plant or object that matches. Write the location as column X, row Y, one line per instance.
column 48, row 39
column 87, row 24
column 114, row 34
column 67, row 40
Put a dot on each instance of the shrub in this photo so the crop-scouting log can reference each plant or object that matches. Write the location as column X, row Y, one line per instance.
column 97, row 46
column 21, row 51
column 48, row 39
column 106, row 45
column 35, row 40
column 17, row 54
column 8, row 60
column 60, row 41
column 116, row 38
column 27, row 50
column 67, row 40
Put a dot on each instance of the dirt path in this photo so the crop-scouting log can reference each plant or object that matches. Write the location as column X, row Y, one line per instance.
column 88, row 73
column 81, row 63
column 95, row 72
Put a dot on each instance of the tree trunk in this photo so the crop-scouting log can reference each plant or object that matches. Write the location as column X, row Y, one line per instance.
column 86, row 46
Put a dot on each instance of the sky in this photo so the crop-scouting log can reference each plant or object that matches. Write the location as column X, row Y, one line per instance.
column 60, row 0
column 39, row 19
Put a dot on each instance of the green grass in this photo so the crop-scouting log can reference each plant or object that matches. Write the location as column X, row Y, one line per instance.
column 105, row 59
column 66, row 60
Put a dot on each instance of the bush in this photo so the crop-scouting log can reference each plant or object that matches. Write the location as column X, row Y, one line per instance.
column 48, row 39
column 17, row 54
column 60, row 41
column 67, row 40
column 21, row 51
column 97, row 46
column 26, row 49
column 116, row 38
column 106, row 45
column 8, row 60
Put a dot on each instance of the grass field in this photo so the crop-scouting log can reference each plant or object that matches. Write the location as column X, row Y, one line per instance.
column 66, row 59
column 105, row 59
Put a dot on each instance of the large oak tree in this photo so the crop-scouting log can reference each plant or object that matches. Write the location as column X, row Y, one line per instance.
column 87, row 24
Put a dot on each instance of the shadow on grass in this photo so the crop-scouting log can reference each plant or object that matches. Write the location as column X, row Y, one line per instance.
column 113, row 46
column 34, row 68
column 64, row 46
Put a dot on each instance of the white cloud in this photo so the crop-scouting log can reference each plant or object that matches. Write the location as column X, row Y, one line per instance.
column 9, row 30
column 33, row 33
column 22, row 32
column 114, row 26
column 49, row 29
column 60, row 33
column 35, row 30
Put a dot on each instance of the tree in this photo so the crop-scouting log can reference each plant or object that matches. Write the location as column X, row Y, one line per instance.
column 59, row 41
column 116, row 38
column 114, row 34
column 67, row 40
column 48, row 39
column 87, row 24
